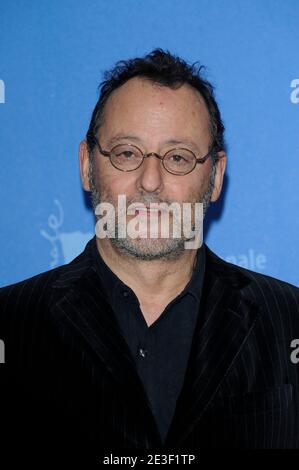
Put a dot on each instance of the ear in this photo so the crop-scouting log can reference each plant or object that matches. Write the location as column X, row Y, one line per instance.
column 84, row 163
column 220, row 169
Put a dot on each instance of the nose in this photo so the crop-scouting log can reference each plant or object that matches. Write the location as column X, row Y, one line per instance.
column 150, row 178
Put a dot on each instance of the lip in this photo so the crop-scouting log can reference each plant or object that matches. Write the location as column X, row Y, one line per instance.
column 148, row 210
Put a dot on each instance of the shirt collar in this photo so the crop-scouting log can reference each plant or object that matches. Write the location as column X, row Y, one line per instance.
column 111, row 281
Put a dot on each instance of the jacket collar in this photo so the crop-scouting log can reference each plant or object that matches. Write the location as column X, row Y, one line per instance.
column 225, row 320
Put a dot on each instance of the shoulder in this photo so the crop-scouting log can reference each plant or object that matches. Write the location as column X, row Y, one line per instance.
column 262, row 289
column 24, row 306
column 37, row 293
column 270, row 289
column 35, row 286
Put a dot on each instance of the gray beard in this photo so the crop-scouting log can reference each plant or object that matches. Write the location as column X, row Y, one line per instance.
column 147, row 249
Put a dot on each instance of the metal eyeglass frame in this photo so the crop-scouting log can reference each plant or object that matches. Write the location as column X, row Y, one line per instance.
column 161, row 157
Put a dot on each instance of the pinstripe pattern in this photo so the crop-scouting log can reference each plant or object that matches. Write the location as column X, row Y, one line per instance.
column 70, row 372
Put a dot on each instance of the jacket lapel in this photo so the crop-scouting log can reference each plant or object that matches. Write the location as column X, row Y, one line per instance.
column 225, row 320
column 83, row 312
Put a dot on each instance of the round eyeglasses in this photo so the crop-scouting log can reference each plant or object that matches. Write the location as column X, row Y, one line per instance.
column 128, row 157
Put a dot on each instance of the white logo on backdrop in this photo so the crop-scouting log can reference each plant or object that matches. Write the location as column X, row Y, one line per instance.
column 294, row 96
column 65, row 246
column 2, row 91
column 250, row 260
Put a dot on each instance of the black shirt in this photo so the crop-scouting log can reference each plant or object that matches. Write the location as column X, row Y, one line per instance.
column 160, row 350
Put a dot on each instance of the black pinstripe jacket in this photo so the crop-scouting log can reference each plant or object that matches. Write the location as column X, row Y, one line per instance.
column 69, row 379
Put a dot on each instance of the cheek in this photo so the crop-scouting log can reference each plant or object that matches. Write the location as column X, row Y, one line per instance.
column 190, row 187
column 115, row 182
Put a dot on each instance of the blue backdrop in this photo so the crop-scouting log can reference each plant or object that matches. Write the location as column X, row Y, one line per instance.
column 53, row 54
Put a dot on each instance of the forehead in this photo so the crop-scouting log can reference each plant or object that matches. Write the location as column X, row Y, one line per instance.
column 141, row 102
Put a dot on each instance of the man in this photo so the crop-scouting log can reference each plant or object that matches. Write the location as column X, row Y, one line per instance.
column 141, row 343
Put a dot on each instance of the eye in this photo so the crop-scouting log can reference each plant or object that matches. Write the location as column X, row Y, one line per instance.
column 176, row 158
column 127, row 154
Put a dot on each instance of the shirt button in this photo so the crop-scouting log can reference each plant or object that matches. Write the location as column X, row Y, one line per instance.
column 125, row 293
column 142, row 352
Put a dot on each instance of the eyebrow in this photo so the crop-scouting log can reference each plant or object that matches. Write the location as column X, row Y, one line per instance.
column 137, row 139
column 118, row 137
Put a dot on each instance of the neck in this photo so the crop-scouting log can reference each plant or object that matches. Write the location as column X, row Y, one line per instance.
column 156, row 280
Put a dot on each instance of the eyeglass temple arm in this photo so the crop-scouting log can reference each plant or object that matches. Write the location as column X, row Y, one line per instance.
column 203, row 159
column 103, row 152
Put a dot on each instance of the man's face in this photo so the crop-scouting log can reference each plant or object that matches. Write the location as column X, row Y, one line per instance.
column 155, row 119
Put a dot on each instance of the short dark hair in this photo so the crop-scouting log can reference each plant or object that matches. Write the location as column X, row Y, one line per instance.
column 166, row 69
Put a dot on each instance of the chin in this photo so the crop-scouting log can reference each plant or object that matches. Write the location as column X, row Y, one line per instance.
column 142, row 248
